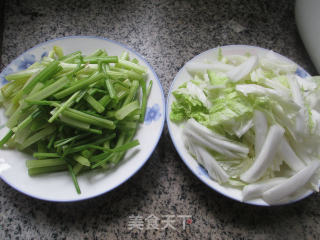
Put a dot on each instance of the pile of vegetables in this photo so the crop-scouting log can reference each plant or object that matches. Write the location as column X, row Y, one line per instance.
column 73, row 112
column 253, row 124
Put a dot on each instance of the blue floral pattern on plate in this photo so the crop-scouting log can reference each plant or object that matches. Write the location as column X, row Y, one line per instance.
column 44, row 54
column 20, row 64
column 26, row 61
column 152, row 114
column 4, row 73
column 301, row 73
column 202, row 171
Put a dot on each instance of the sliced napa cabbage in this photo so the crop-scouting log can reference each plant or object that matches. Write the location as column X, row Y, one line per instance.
column 272, row 62
column 200, row 68
column 291, row 185
column 258, row 90
column 217, row 78
column 289, row 156
column 266, row 155
column 260, row 129
column 252, row 123
column 262, row 77
column 255, row 190
column 243, row 70
column 214, row 138
column 229, row 108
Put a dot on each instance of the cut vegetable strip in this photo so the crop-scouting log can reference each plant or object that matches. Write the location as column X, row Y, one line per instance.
column 205, row 142
column 290, row 157
column 79, row 85
column 266, row 155
column 45, row 74
column 291, row 185
column 213, row 168
column 48, row 91
column 240, row 72
column 255, row 190
column 39, row 135
column 215, row 138
column 260, row 129
column 133, row 66
column 45, row 163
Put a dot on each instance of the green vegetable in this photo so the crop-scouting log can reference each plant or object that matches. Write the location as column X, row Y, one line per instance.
column 75, row 112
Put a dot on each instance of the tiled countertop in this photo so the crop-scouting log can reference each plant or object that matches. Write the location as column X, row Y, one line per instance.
column 167, row 34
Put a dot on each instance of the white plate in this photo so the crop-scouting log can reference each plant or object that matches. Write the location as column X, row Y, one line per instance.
column 175, row 130
column 59, row 186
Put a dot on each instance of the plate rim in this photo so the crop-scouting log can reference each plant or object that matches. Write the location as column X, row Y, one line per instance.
column 163, row 109
column 168, row 121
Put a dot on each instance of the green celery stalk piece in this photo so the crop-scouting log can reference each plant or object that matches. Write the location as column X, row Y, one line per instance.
column 45, row 163
column 14, row 118
column 74, row 179
column 116, row 75
column 38, row 136
column 132, row 92
column 42, row 170
column 149, row 88
column 23, row 75
column 26, row 121
column 144, row 100
column 42, row 76
column 110, row 88
column 124, row 56
column 126, row 146
column 43, row 155
column 122, row 94
column 105, row 100
column 22, row 135
column 64, row 105
column 74, row 123
column 88, row 118
column 66, row 58
column 11, row 109
column 62, row 142
column 132, row 75
column 126, row 110
column 79, row 85
column 94, row 103
column 49, row 90
column 107, row 59
column 77, row 168
column 6, row 138
column 132, row 66
column 96, row 53
column 58, row 51
column 105, row 160
column 82, row 160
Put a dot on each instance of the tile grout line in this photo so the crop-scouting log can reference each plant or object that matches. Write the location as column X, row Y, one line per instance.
column 1, row 30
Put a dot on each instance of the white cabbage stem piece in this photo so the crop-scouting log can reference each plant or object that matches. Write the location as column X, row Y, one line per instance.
column 215, row 138
column 291, row 185
column 195, row 67
column 289, row 156
column 266, row 155
column 255, row 190
column 243, row 70
column 260, row 129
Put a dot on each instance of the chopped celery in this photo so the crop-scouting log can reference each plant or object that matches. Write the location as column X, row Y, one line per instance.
column 74, row 112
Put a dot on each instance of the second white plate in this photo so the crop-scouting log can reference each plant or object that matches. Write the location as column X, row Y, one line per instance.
column 175, row 130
